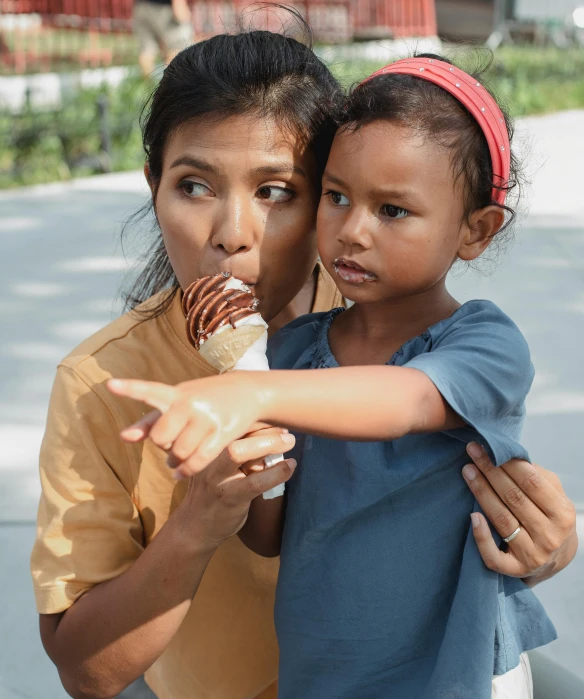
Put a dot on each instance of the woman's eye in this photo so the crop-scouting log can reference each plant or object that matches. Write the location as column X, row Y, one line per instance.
column 275, row 194
column 394, row 211
column 338, row 199
column 194, row 189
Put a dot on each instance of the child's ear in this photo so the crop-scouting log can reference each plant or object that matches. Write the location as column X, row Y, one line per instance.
column 482, row 226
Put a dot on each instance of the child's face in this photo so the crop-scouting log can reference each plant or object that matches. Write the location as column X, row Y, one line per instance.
column 390, row 221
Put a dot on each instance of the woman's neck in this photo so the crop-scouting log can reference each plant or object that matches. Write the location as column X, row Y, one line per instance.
column 300, row 305
column 384, row 327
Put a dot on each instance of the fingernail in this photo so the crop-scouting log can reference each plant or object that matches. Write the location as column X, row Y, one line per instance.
column 469, row 472
column 288, row 438
column 114, row 383
column 291, row 463
column 178, row 476
column 475, row 519
column 475, row 450
column 283, row 430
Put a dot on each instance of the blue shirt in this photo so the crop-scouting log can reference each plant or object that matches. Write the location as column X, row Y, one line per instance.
column 382, row 592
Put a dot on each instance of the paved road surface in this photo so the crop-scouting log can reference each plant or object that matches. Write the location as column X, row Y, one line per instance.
column 61, row 266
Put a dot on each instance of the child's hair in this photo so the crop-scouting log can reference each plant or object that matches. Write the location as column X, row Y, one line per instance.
column 258, row 73
column 424, row 106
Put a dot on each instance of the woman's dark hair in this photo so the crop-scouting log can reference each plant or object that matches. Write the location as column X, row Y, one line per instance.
column 255, row 72
column 424, row 106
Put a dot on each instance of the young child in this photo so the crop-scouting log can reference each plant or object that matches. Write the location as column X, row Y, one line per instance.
column 382, row 592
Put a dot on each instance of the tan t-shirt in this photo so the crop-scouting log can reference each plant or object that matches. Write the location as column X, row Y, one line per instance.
column 103, row 501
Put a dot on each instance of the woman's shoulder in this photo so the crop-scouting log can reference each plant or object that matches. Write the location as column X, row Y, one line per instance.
column 139, row 345
column 289, row 347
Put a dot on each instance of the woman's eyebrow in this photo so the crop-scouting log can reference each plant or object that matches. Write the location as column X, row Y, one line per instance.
column 279, row 169
column 193, row 162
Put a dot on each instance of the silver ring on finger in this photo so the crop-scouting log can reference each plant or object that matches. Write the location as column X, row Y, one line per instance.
column 510, row 538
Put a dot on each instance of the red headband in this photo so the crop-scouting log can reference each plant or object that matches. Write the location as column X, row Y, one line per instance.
column 476, row 99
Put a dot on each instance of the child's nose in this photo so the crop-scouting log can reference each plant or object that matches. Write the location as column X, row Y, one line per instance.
column 356, row 229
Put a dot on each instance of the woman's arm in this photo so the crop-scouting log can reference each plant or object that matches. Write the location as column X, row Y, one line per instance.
column 522, row 494
column 116, row 630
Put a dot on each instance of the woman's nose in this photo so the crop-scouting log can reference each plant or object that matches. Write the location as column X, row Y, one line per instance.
column 234, row 230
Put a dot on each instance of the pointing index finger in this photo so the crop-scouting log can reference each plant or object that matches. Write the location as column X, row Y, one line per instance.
column 157, row 395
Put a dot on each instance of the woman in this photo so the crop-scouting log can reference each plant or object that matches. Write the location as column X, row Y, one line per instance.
column 132, row 570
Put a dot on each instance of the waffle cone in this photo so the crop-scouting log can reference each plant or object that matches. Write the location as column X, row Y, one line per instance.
column 223, row 350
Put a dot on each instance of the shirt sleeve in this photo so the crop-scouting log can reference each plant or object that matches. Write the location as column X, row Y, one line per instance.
column 481, row 365
column 88, row 527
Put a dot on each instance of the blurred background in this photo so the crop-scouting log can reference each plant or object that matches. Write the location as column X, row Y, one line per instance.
column 72, row 80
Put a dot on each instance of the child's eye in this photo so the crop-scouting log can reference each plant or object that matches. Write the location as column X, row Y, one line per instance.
column 194, row 189
column 394, row 211
column 337, row 198
column 275, row 194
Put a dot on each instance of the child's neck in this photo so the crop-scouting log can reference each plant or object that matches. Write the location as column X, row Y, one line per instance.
column 382, row 328
column 300, row 305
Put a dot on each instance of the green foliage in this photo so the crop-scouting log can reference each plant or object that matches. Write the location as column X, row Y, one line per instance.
column 43, row 146
column 529, row 80
column 537, row 81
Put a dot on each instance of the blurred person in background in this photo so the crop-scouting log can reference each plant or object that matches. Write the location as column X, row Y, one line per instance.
column 161, row 26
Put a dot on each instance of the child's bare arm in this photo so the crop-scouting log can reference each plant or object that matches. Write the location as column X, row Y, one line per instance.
column 361, row 403
column 262, row 531
column 200, row 418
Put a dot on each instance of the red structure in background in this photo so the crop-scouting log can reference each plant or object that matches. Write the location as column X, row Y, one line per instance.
column 42, row 35
column 400, row 18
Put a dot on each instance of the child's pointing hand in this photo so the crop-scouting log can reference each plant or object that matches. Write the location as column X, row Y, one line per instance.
column 195, row 420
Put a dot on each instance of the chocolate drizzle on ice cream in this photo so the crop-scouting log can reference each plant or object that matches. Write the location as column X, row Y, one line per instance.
column 210, row 303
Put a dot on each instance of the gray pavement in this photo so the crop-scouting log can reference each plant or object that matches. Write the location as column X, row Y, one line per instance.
column 61, row 267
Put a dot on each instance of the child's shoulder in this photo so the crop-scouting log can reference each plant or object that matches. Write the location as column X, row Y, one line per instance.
column 287, row 346
column 478, row 336
column 475, row 319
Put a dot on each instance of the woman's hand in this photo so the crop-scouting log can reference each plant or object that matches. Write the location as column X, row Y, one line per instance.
column 195, row 420
column 221, row 495
column 520, row 494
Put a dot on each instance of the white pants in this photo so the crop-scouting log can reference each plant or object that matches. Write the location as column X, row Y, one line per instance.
column 515, row 684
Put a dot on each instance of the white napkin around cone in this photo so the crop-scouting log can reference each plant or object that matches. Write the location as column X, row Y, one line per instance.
column 242, row 348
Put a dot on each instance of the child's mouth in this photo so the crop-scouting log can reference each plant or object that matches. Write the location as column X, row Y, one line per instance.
column 352, row 273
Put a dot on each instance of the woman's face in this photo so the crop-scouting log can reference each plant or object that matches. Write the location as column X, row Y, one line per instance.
column 240, row 195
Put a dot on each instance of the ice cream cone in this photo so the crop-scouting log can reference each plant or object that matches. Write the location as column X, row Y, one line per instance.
column 229, row 333
column 224, row 350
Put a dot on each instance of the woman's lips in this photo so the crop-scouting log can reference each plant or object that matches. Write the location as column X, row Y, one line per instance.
column 352, row 273
column 247, row 279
